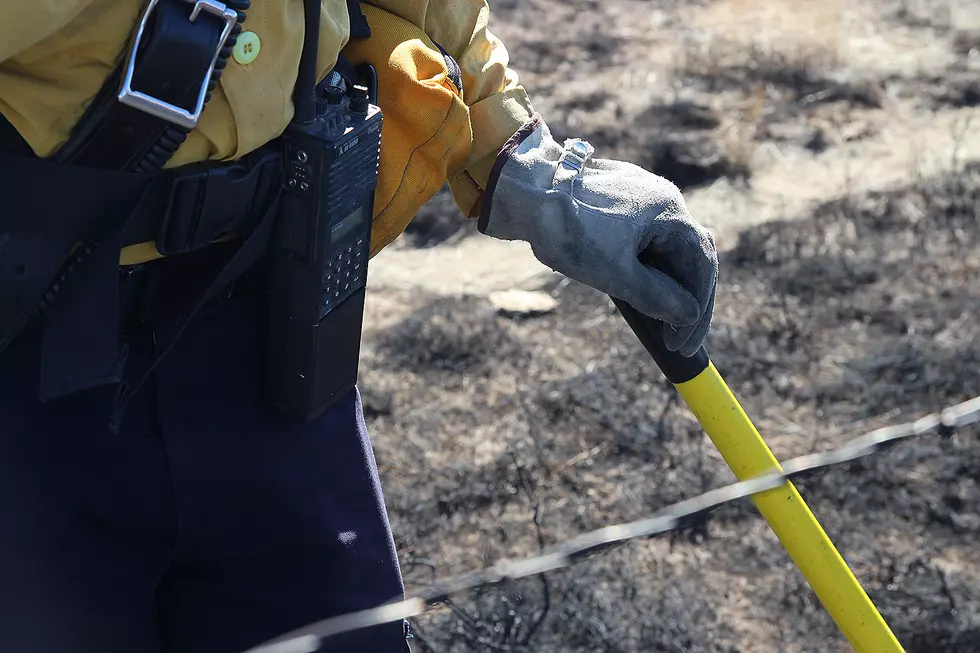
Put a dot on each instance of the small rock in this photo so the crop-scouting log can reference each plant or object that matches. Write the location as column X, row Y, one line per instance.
column 522, row 303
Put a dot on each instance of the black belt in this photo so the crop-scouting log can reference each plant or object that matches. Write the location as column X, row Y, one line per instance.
column 201, row 203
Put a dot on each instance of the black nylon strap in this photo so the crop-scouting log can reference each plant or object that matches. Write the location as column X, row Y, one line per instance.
column 80, row 346
column 37, row 233
column 11, row 142
column 359, row 28
column 455, row 72
column 205, row 201
column 173, row 62
column 251, row 250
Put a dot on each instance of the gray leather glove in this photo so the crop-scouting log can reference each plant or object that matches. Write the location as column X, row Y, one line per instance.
column 606, row 224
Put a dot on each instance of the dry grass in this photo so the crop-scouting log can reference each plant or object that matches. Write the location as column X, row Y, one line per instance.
column 798, row 30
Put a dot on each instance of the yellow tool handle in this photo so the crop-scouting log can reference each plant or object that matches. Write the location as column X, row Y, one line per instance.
column 733, row 433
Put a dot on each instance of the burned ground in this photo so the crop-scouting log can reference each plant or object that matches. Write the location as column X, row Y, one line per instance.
column 512, row 434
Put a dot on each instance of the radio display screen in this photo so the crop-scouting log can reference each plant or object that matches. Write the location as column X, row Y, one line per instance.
column 342, row 229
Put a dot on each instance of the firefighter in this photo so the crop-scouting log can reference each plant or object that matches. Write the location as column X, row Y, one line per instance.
column 149, row 501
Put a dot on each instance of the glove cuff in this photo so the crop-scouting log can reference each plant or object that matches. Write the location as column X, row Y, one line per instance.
column 503, row 157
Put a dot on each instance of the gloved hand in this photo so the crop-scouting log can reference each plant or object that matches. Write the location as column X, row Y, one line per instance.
column 606, row 224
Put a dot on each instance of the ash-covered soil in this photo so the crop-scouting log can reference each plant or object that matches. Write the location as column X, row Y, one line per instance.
column 497, row 436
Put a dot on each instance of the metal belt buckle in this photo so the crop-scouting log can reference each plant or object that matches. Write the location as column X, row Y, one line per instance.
column 155, row 106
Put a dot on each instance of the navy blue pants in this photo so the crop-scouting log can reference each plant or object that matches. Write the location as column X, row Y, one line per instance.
column 207, row 525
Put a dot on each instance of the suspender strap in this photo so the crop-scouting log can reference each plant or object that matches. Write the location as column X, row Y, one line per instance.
column 144, row 110
column 359, row 28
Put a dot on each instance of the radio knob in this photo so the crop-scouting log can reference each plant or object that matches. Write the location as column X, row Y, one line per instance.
column 333, row 95
column 359, row 99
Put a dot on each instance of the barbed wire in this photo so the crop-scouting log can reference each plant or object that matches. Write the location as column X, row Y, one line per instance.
column 672, row 518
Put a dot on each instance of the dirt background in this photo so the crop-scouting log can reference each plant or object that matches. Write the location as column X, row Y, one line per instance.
column 830, row 146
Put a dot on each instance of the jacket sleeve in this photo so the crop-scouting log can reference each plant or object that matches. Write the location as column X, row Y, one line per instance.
column 26, row 22
column 498, row 104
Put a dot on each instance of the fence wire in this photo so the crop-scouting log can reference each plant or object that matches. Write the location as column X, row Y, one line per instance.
column 672, row 518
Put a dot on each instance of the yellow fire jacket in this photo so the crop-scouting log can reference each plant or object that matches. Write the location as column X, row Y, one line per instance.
column 56, row 54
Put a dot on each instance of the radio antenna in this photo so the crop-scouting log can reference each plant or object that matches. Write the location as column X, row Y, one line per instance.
column 304, row 93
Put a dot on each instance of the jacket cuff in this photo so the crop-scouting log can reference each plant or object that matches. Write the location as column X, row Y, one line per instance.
column 500, row 161
column 493, row 120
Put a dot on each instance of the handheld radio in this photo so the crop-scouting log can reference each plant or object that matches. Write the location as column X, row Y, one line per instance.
column 320, row 250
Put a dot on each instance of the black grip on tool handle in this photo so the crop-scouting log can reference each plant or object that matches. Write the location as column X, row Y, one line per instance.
column 677, row 368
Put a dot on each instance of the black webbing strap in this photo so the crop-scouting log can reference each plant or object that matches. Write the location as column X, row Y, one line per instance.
column 252, row 249
column 11, row 142
column 359, row 28
column 45, row 214
column 173, row 61
column 203, row 202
